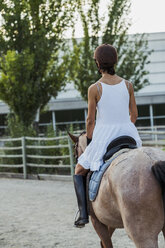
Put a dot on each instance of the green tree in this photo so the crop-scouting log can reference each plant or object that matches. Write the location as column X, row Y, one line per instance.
column 32, row 54
column 113, row 29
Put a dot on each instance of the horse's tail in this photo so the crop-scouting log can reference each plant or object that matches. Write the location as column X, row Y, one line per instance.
column 158, row 170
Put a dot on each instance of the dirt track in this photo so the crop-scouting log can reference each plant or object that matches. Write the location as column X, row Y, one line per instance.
column 39, row 214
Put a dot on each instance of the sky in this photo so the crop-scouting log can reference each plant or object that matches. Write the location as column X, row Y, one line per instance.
column 148, row 16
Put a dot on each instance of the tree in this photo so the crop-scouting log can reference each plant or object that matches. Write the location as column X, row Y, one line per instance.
column 132, row 50
column 32, row 64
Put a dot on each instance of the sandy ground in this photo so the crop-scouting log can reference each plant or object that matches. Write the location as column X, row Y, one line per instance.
column 39, row 214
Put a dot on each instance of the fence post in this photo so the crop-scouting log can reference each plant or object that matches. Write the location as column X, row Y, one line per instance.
column 24, row 157
column 156, row 136
column 71, row 156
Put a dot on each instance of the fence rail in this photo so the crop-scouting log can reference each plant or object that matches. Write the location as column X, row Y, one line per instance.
column 150, row 137
column 24, row 148
column 153, row 136
column 154, row 143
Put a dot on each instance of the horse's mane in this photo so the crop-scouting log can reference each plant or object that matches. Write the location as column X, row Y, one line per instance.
column 83, row 132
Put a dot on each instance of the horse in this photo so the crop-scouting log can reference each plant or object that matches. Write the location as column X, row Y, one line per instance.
column 129, row 197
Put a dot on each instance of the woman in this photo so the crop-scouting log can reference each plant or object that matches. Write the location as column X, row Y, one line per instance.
column 113, row 97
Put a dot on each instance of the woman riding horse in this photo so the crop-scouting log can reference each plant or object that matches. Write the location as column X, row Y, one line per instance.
column 113, row 99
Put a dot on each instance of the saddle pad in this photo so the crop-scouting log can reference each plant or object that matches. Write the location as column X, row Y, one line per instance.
column 97, row 175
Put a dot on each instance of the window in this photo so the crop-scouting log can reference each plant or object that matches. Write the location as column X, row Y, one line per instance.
column 70, row 119
column 46, row 117
column 142, row 123
column 70, row 115
column 159, row 109
column 143, row 110
column 143, row 116
column 159, row 114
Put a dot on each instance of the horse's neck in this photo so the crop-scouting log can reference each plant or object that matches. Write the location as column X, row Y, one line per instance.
column 83, row 142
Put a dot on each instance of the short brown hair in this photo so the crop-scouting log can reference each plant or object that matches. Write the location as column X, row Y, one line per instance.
column 106, row 56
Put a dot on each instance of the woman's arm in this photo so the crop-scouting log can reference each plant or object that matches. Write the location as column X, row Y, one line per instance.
column 92, row 102
column 132, row 105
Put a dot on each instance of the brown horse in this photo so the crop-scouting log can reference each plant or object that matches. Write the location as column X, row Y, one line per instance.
column 129, row 197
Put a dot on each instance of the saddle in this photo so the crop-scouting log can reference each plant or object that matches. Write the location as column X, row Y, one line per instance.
column 94, row 179
column 118, row 144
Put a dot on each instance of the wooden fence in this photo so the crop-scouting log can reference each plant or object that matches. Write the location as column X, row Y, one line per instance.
column 25, row 156
column 23, row 150
column 153, row 137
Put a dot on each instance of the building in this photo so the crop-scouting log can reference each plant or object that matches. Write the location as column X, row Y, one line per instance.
column 70, row 108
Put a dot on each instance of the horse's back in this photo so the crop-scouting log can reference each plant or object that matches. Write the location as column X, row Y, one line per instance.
column 129, row 193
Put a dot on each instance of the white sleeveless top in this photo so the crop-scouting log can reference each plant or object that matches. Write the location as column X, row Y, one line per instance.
column 112, row 121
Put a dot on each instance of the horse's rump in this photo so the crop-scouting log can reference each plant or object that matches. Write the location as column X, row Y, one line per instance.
column 131, row 197
column 128, row 185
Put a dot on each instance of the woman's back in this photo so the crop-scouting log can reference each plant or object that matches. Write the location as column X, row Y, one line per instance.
column 113, row 106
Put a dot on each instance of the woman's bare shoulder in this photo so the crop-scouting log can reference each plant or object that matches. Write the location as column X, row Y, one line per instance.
column 93, row 87
column 129, row 85
column 92, row 90
column 127, row 81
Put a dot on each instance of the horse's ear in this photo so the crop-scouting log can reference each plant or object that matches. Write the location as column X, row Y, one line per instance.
column 73, row 137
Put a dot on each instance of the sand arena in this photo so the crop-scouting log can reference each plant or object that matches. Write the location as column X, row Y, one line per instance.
column 39, row 214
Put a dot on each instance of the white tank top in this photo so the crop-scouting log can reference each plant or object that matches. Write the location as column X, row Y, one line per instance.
column 112, row 121
column 113, row 106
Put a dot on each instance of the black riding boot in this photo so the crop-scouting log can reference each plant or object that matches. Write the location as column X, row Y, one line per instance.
column 80, row 188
